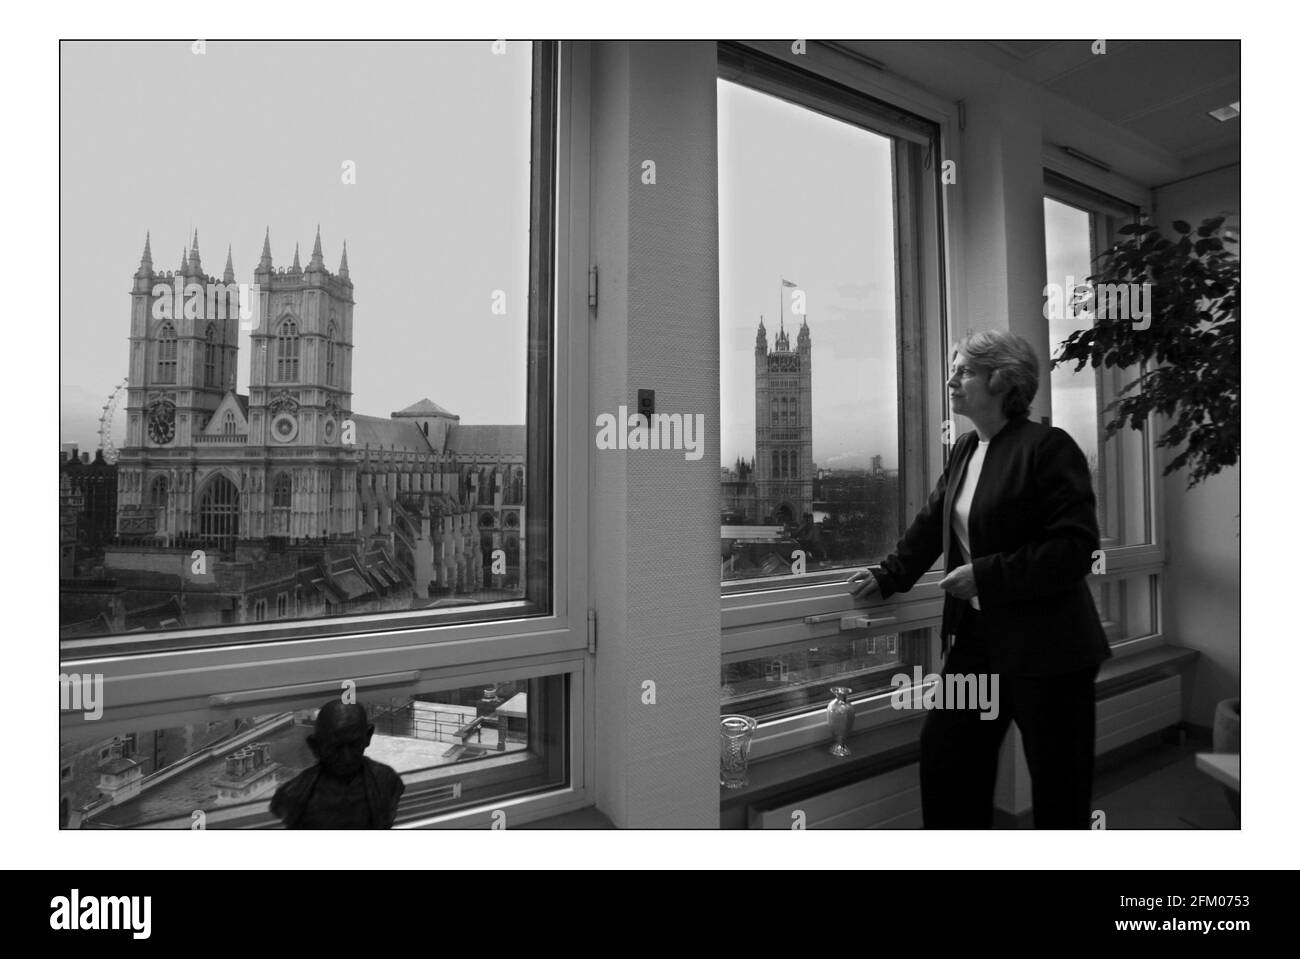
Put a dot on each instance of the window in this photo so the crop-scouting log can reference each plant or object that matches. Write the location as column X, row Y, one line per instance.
column 211, row 358
column 166, row 351
column 809, row 197
column 1075, row 238
column 383, row 537
column 374, row 438
column 158, row 492
column 330, row 361
column 219, row 511
column 281, row 504
column 832, row 402
column 452, row 745
column 830, row 421
column 286, row 352
column 1079, row 224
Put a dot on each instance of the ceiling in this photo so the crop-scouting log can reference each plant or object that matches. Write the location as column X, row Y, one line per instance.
column 1161, row 90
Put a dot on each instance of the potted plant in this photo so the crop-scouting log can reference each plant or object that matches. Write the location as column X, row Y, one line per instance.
column 1187, row 348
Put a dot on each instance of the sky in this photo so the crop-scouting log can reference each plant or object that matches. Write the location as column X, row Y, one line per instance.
column 252, row 135
column 808, row 198
column 1069, row 254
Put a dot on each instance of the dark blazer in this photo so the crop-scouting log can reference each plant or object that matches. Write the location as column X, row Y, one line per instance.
column 1033, row 530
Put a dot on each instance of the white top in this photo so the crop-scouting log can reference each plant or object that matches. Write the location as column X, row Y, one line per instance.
column 961, row 508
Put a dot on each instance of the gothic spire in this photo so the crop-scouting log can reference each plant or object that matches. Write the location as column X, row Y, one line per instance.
column 229, row 275
column 185, row 262
column 146, row 259
column 297, row 267
column 196, row 266
column 265, row 262
column 343, row 263
column 317, row 259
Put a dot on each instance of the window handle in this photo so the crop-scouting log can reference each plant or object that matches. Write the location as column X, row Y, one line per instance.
column 863, row 621
column 849, row 621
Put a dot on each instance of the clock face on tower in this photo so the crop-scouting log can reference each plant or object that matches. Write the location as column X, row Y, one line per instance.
column 284, row 428
column 162, row 422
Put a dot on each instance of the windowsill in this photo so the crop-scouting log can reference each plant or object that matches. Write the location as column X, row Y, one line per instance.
column 1122, row 670
column 812, row 769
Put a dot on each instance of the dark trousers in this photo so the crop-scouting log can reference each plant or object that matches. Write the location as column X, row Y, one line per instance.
column 1056, row 716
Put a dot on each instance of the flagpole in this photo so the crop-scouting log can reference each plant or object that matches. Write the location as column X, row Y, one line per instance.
column 782, row 303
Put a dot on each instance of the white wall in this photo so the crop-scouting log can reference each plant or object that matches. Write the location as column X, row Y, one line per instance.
column 1203, row 579
column 654, row 514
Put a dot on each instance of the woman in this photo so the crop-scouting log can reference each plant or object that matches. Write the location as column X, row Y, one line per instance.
column 1014, row 516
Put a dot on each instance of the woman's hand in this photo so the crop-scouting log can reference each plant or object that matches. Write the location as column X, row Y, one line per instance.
column 960, row 582
column 863, row 585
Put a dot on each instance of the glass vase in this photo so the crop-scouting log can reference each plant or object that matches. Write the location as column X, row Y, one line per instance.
column 839, row 719
column 737, row 736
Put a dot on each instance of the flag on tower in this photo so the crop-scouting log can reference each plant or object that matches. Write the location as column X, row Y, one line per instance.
column 785, row 282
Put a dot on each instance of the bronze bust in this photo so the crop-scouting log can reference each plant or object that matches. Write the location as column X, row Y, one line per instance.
column 344, row 790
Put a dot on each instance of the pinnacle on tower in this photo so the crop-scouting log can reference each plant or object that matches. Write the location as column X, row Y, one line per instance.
column 185, row 262
column 264, row 263
column 196, row 266
column 297, row 267
column 229, row 275
column 317, row 259
column 343, row 263
column 146, row 259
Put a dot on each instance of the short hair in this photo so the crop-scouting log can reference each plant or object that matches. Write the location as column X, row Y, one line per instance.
column 1011, row 365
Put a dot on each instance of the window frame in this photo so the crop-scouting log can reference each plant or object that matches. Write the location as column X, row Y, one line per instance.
column 757, row 620
column 1110, row 204
column 288, row 350
column 186, row 676
column 167, row 355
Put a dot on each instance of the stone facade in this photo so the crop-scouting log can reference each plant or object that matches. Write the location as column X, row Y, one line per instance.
column 419, row 504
